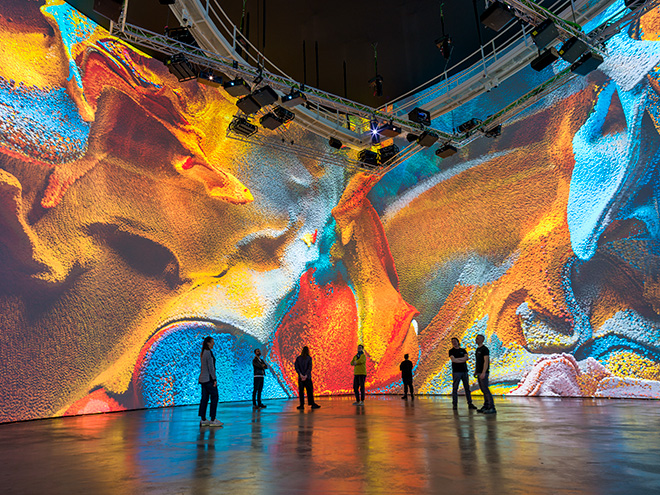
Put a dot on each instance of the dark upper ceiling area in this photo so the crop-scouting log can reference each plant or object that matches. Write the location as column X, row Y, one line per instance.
column 343, row 32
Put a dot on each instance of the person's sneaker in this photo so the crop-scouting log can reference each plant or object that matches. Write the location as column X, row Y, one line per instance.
column 215, row 422
column 454, row 407
column 361, row 403
column 472, row 406
column 315, row 406
column 255, row 407
column 300, row 407
column 204, row 422
column 356, row 403
column 490, row 411
column 262, row 406
column 404, row 397
column 481, row 409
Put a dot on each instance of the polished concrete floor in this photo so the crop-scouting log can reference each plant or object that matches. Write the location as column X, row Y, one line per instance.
column 532, row 446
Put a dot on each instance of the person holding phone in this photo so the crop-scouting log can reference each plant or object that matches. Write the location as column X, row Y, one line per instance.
column 359, row 363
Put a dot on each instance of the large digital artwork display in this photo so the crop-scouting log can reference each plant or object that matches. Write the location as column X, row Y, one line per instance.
column 131, row 227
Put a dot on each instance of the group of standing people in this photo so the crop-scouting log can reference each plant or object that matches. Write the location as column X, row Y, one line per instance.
column 459, row 372
column 303, row 366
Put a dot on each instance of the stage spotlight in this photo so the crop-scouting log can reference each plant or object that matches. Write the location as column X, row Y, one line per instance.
column 420, row 116
column 335, row 143
column 469, row 125
column 587, row 62
column 544, row 34
column 182, row 35
column 270, row 121
column 494, row 132
column 545, row 59
column 387, row 153
column 444, row 44
column 283, row 114
column 265, row 96
column 241, row 126
column 373, row 129
column 248, row 105
column 427, row 139
column 237, row 87
column 389, row 130
column 368, row 157
column 572, row 49
column 179, row 66
column 292, row 99
column 496, row 16
column 208, row 78
column 412, row 137
column 446, row 151
column 376, row 84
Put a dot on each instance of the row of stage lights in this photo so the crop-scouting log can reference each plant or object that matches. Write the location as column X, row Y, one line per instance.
column 498, row 14
column 574, row 51
column 251, row 101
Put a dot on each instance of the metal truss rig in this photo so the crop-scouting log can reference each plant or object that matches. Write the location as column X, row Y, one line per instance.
column 161, row 43
column 534, row 14
column 326, row 104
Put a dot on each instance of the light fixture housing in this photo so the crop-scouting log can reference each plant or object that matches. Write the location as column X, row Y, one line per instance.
column 420, row 116
column 237, row 87
column 427, row 139
column 387, row 153
column 179, row 66
column 496, row 16
column 182, row 35
column 573, row 49
column 292, row 99
column 248, row 105
column 265, row 96
column 446, row 150
column 544, row 34
column 368, row 158
column 209, row 78
column 241, row 126
column 469, row 125
column 545, row 59
column 270, row 121
column 586, row 63
column 389, row 130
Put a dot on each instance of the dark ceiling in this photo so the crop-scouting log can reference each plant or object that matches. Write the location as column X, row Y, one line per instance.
column 345, row 32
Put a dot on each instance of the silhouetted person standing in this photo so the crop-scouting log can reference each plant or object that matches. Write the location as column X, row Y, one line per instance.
column 459, row 373
column 209, row 383
column 303, row 366
column 482, row 369
column 359, row 363
column 406, row 368
column 260, row 368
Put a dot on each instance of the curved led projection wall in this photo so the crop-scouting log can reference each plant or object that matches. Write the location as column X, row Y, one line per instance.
column 131, row 228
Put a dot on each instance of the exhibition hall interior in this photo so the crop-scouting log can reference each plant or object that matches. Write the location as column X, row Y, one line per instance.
column 439, row 221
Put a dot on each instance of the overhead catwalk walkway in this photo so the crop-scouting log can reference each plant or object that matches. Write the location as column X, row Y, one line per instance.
column 389, row 446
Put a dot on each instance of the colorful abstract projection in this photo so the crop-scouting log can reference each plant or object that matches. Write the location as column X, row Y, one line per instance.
column 132, row 227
